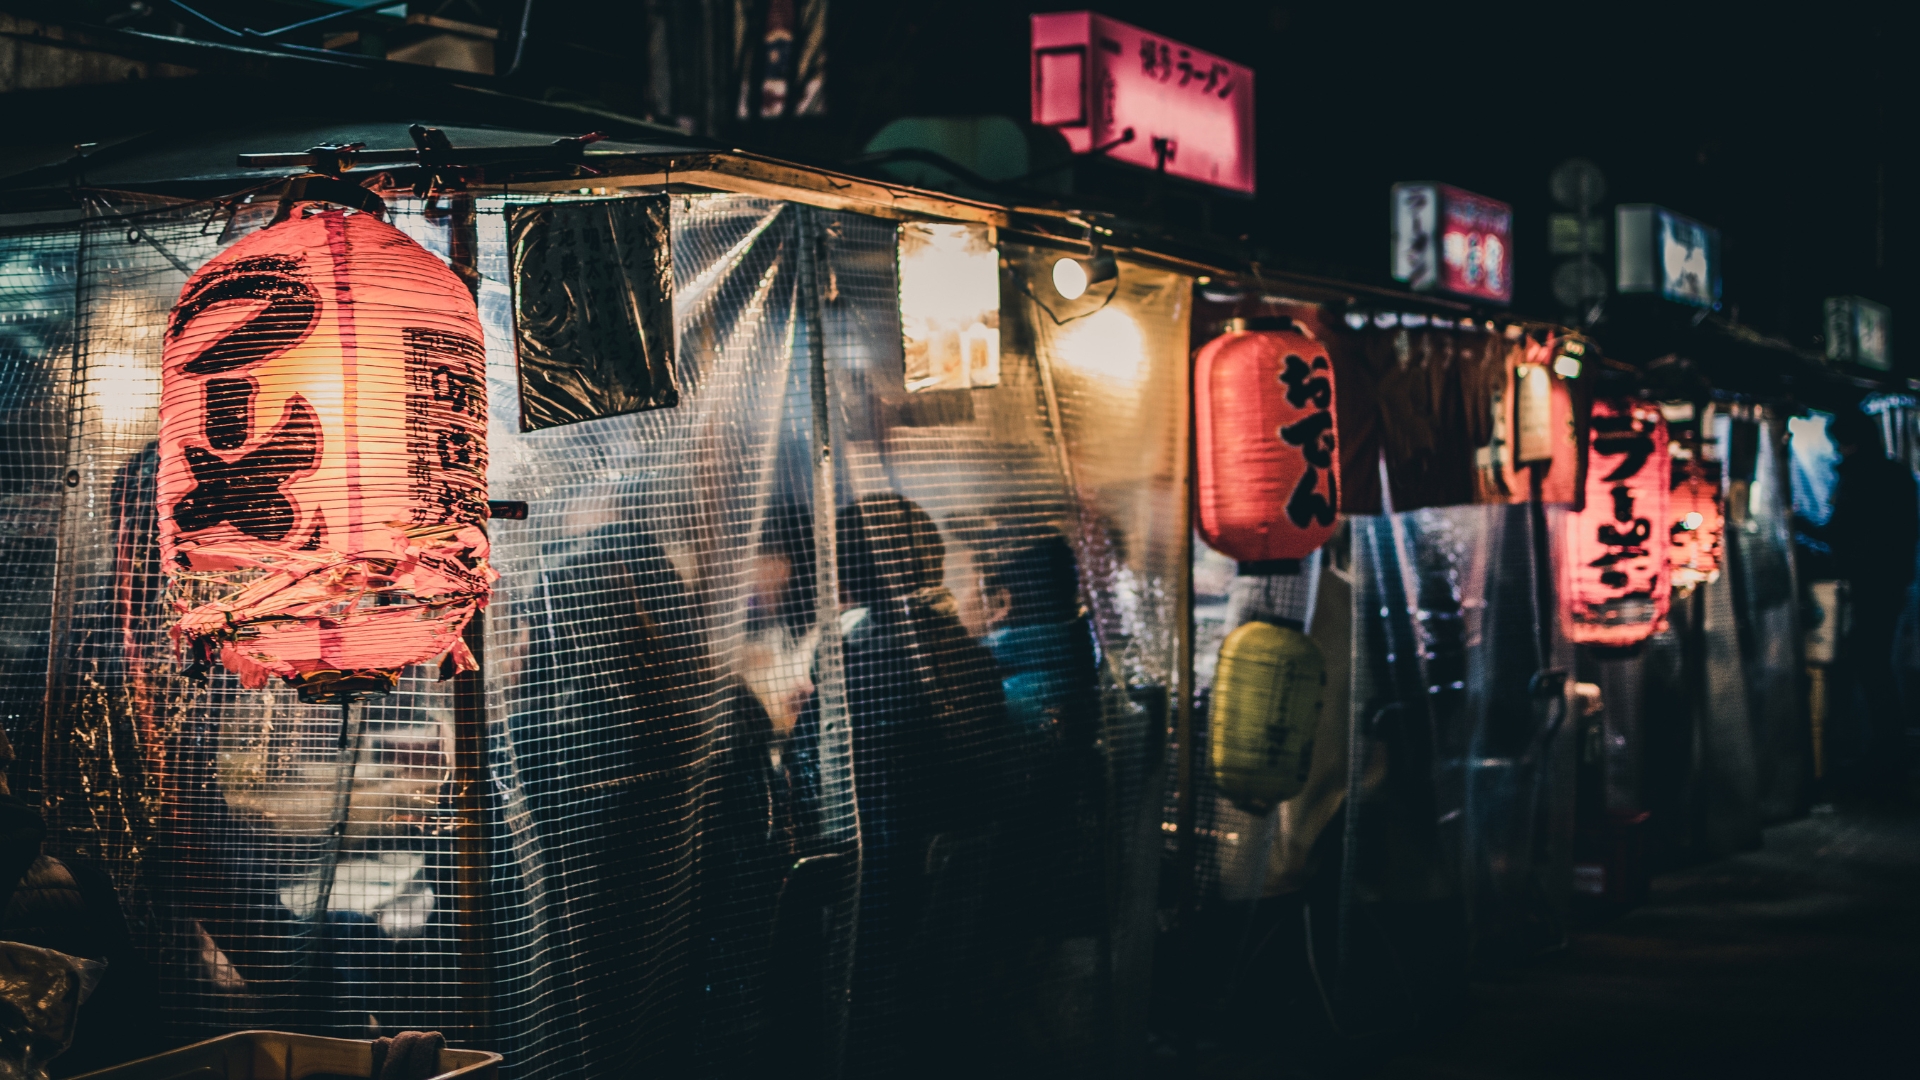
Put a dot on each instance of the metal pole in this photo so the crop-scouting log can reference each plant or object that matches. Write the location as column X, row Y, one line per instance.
column 471, row 865
column 837, row 779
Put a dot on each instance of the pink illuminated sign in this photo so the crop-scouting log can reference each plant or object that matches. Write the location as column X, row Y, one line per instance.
column 1190, row 112
column 1453, row 240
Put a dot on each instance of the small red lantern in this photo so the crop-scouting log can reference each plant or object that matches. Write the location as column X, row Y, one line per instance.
column 1540, row 424
column 1616, row 562
column 1267, row 455
column 1696, row 524
column 323, row 456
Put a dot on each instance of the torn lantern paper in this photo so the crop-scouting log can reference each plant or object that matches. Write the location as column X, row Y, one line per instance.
column 323, row 457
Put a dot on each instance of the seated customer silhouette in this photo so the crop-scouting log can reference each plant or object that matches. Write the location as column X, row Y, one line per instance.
column 925, row 707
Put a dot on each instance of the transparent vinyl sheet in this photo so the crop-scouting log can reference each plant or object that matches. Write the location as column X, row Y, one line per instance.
column 1458, row 824
column 1009, row 559
column 1763, row 566
column 786, row 657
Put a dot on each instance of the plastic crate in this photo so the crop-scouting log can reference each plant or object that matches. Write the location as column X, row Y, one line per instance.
column 280, row 1055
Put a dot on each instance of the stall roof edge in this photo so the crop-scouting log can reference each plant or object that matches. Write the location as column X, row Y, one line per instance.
column 167, row 166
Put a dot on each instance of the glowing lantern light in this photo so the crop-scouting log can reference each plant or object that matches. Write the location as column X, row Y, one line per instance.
column 1266, row 704
column 1617, row 574
column 1693, row 553
column 323, row 457
column 1540, row 419
column 1267, row 453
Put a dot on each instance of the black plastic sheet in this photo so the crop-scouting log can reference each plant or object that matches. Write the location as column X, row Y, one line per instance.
column 593, row 308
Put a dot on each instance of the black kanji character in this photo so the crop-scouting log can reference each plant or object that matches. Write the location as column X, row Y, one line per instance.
column 1301, row 388
column 292, row 309
column 455, row 448
column 1313, row 434
column 246, row 491
column 1622, row 503
column 229, row 419
column 1307, row 504
column 1623, row 435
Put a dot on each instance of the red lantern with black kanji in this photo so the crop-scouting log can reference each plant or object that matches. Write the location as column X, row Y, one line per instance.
column 323, row 456
column 1695, row 524
column 1616, row 568
column 1266, row 444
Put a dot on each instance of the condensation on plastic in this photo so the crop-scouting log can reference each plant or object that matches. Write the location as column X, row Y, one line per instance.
column 668, row 830
column 593, row 308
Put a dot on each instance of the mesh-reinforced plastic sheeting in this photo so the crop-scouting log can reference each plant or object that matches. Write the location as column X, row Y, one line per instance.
column 1458, row 813
column 1010, row 562
column 634, row 838
column 297, row 866
column 1241, row 855
column 36, row 357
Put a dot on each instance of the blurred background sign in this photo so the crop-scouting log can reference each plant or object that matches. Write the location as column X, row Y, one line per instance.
column 1453, row 241
column 1859, row 331
column 1669, row 254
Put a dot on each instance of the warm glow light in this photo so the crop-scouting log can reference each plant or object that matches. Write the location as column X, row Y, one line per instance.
column 123, row 389
column 1266, row 444
column 949, row 306
column 1070, row 278
column 1693, row 521
column 1566, row 367
column 1108, row 345
column 1617, row 571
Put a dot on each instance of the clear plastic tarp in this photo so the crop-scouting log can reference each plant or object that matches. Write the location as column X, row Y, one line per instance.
column 814, row 718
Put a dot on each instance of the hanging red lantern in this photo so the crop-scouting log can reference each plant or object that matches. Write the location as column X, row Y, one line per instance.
column 1696, row 523
column 1267, row 455
column 1616, row 563
column 323, row 456
column 1539, row 416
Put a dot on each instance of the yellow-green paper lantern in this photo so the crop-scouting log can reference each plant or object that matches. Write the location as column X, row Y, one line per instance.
column 1266, row 705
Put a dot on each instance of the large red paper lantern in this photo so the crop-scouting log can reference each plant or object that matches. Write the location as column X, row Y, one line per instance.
column 323, row 456
column 1616, row 558
column 1695, row 524
column 1268, row 458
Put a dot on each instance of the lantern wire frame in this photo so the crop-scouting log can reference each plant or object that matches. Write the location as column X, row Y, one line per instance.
column 696, row 838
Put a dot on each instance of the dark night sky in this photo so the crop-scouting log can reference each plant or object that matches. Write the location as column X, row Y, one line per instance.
column 1773, row 125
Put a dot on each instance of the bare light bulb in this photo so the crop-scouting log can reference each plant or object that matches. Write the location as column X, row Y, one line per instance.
column 1070, row 278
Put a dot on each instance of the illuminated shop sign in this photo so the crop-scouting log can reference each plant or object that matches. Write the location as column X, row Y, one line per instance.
column 1452, row 241
column 1667, row 254
column 1143, row 99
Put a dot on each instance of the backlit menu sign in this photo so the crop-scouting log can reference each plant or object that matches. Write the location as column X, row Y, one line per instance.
column 1190, row 113
column 1662, row 252
column 1452, row 241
